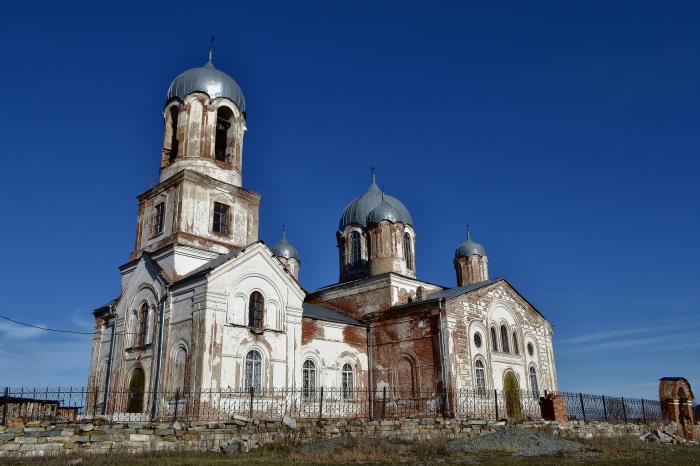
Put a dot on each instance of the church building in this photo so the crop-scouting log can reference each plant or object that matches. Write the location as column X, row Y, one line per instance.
column 205, row 304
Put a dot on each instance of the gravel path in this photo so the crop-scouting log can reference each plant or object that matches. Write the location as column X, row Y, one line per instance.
column 519, row 442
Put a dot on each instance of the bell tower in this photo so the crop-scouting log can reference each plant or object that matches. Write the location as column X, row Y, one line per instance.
column 199, row 208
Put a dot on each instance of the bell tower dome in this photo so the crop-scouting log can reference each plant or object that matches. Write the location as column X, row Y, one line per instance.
column 199, row 208
column 204, row 119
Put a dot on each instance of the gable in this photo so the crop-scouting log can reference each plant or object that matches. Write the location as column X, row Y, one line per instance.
column 496, row 284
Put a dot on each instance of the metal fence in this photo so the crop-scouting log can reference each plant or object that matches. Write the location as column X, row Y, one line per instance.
column 612, row 409
column 79, row 403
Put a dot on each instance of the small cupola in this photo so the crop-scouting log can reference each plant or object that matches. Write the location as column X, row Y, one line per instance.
column 469, row 248
column 287, row 254
column 471, row 262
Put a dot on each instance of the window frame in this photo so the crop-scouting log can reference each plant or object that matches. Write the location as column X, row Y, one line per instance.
column 347, row 381
column 480, row 366
column 534, row 382
column 505, row 346
column 355, row 247
column 158, row 219
column 252, row 378
column 407, row 250
column 309, row 379
column 256, row 310
column 516, row 349
column 221, row 221
column 142, row 325
column 494, row 339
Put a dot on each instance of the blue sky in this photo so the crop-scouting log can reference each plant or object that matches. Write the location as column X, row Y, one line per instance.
column 566, row 135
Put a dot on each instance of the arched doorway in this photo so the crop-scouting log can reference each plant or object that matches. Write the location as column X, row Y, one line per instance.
column 511, row 395
column 136, row 389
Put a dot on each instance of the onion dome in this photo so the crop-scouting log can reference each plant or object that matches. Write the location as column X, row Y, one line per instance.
column 215, row 83
column 384, row 211
column 284, row 249
column 359, row 210
column 469, row 248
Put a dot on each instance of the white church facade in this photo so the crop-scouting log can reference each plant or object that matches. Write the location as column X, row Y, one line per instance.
column 204, row 304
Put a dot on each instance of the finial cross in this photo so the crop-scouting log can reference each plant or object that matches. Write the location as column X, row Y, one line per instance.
column 211, row 46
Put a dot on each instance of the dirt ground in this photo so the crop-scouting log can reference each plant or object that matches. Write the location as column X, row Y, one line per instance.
column 617, row 451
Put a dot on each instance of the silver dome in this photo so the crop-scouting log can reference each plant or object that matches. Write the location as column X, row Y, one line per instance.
column 284, row 249
column 358, row 211
column 470, row 248
column 207, row 79
column 384, row 211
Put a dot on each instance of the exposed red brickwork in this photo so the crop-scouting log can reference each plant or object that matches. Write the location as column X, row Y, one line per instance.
column 553, row 408
column 310, row 330
column 677, row 402
column 356, row 337
column 405, row 349
column 357, row 304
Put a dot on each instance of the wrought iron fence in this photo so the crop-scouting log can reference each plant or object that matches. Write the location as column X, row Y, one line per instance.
column 611, row 409
column 79, row 403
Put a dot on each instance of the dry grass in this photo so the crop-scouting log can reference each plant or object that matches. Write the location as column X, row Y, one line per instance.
column 599, row 451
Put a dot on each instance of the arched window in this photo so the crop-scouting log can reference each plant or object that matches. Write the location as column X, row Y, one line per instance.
column 348, row 382
column 405, row 376
column 355, row 246
column 516, row 349
column 533, row 381
column 143, row 324
column 256, row 307
column 407, row 252
column 308, row 389
column 224, row 115
column 177, row 369
column 174, row 143
column 494, row 340
column 504, row 339
column 480, row 378
column 253, row 370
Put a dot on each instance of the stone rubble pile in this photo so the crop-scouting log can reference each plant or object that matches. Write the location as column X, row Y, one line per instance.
column 665, row 434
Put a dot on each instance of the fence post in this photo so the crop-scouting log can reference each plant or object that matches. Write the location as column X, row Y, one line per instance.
column 320, row 405
column 370, row 400
column 4, row 407
column 644, row 414
column 252, row 390
column 384, row 403
column 624, row 410
column 605, row 410
column 583, row 408
column 495, row 400
column 177, row 402
column 94, row 404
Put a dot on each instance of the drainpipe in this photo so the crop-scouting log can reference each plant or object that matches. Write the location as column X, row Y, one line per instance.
column 443, row 357
column 159, row 353
column 108, row 376
column 370, row 378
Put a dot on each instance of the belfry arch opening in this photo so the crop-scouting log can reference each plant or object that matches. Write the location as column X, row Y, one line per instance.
column 224, row 132
column 171, row 136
